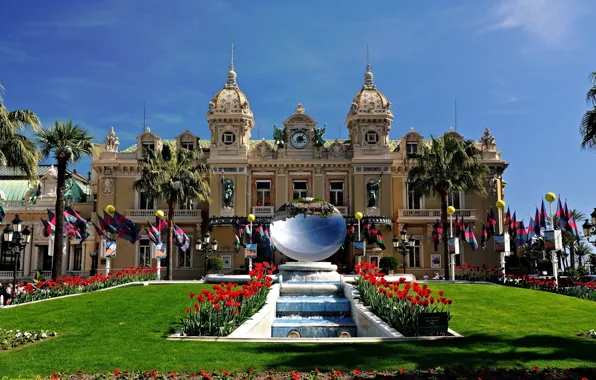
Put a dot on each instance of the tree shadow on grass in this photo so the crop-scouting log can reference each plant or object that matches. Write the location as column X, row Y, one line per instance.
column 478, row 351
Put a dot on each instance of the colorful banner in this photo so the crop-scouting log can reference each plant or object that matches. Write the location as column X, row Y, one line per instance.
column 110, row 248
column 359, row 248
column 250, row 252
column 159, row 251
column 435, row 261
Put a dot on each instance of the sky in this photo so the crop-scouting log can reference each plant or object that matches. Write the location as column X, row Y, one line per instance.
column 519, row 67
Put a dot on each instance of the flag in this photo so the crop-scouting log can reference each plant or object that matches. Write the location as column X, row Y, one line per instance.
column 462, row 229
column 435, row 239
column 470, row 237
column 456, row 225
column 380, row 242
column 236, row 239
column 537, row 222
column 560, row 210
column 260, row 231
column 248, row 233
column 2, row 213
column 572, row 227
column 127, row 229
column 365, row 230
column 153, row 234
column 491, row 222
column 508, row 218
column 180, row 238
column 97, row 229
column 531, row 231
column 484, row 237
column 439, row 227
column 567, row 213
column 521, row 235
column 543, row 216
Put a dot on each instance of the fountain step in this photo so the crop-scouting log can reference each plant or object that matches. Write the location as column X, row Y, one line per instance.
column 323, row 327
column 311, row 289
column 312, row 305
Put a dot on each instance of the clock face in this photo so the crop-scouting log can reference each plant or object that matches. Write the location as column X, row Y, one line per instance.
column 300, row 140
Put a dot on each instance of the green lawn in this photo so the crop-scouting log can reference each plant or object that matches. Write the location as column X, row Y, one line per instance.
column 126, row 329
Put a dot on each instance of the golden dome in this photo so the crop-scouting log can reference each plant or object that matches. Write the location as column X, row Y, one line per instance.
column 369, row 98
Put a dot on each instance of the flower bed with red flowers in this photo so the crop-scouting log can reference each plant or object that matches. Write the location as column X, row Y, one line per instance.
column 336, row 374
column 584, row 290
column 74, row 284
column 399, row 304
column 221, row 311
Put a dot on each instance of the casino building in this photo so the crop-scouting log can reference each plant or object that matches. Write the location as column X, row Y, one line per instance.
column 299, row 162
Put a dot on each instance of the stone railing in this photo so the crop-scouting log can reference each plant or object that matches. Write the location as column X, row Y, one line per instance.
column 343, row 210
column 8, row 274
column 13, row 204
column 262, row 210
column 149, row 214
column 432, row 213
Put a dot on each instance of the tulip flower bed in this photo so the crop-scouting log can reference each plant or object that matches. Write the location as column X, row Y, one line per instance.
column 74, row 284
column 399, row 306
column 467, row 272
column 335, row 374
column 227, row 306
column 16, row 338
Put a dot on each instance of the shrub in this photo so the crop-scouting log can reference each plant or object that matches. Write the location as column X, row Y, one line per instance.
column 215, row 263
column 388, row 263
column 15, row 338
column 399, row 307
column 221, row 311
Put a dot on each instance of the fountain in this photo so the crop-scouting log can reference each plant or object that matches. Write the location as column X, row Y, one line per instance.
column 311, row 302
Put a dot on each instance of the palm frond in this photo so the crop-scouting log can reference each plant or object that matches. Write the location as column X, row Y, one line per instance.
column 588, row 130
column 67, row 142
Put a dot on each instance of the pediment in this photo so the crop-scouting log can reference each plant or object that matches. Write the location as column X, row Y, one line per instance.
column 300, row 119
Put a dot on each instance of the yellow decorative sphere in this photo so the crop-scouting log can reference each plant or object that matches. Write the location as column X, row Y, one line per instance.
column 450, row 210
column 550, row 197
column 501, row 204
column 110, row 209
column 159, row 213
column 251, row 218
column 358, row 215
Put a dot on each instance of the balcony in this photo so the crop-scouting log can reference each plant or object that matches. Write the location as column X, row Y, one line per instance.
column 262, row 210
column 430, row 215
column 343, row 210
column 179, row 215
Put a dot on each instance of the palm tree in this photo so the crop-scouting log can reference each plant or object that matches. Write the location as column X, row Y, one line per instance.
column 569, row 239
column 175, row 176
column 68, row 143
column 581, row 250
column 16, row 149
column 448, row 164
column 588, row 124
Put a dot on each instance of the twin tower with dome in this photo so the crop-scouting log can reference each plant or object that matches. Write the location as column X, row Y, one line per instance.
column 366, row 173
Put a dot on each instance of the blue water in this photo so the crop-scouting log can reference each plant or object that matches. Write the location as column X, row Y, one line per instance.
column 324, row 316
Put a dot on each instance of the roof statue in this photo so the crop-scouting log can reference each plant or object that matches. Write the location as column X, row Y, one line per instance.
column 488, row 141
column 279, row 136
column 111, row 141
column 318, row 138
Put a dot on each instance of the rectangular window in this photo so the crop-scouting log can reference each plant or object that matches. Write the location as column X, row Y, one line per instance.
column 184, row 258
column 187, row 145
column 263, row 193
column 188, row 205
column 78, row 257
column 375, row 260
column 227, row 260
column 415, row 255
column 46, row 259
column 411, row 147
column 371, row 137
column 336, row 193
column 6, row 257
column 145, row 203
column 456, row 200
column 144, row 253
column 148, row 146
column 414, row 199
column 299, row 189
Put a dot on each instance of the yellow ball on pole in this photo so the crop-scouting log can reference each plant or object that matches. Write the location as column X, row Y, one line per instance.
column 359, row 215
column 550, row 197
column 110, row 209
column 500, row 204
column 251, row 218
column 450, row 210
column 159, row 213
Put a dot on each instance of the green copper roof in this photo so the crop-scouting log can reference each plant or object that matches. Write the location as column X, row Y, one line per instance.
column 15, row 189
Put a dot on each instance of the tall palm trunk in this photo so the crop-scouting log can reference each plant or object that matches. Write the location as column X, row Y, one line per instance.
column 59, row 231
column 572, row 254
column 445, row 234
column 169, row 245
column 579, row 260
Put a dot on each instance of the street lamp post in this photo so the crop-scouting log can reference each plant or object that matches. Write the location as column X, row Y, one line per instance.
column 406, row 245
column 359, row 217
column 206, row 247
column 17, row 239
column 550, row 198
column 590, row 230
column 450, row 212
column 93, row 270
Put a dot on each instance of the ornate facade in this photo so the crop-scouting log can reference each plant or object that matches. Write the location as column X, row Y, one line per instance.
column 366, row 173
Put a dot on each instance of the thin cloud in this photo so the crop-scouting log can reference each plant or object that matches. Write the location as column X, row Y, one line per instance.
column 550, row 21
column 15, row 55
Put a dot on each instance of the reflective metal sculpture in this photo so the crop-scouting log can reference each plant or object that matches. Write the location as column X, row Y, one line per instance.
column 308, row 229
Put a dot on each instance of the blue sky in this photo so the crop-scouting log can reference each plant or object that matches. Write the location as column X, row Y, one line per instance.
column 519, row 67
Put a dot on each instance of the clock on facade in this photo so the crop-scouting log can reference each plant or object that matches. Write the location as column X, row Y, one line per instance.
column 300, row 140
